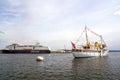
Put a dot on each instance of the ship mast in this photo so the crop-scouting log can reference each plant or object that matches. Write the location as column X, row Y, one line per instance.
column 101, row 38
column 86, row 35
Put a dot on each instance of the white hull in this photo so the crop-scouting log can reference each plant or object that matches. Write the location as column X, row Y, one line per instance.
column 86, row 54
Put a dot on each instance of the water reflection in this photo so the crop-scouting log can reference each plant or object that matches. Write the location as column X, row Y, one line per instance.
column 91, row 68
column 59, row 67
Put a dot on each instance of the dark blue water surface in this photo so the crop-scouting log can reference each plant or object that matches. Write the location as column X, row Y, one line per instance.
column 59, row 67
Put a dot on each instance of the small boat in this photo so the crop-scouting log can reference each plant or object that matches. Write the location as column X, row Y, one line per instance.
column 39, row 58
column 89, row 48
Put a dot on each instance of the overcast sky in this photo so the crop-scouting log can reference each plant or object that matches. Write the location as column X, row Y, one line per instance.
column 55, row 23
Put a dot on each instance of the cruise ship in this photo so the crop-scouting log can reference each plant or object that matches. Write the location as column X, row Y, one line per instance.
column 17, row 48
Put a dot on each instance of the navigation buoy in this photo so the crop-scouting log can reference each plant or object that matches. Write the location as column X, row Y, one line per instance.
column 39, row 58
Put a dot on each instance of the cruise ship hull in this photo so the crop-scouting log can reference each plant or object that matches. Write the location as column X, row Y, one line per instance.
column 25, row 51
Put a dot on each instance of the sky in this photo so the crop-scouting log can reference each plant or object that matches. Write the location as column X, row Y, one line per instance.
column 55, row 23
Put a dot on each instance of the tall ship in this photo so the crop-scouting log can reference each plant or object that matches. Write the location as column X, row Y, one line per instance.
column 17, row 48
column 89, row 48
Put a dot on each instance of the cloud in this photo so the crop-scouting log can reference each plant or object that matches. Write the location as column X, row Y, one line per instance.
column 2, row 32
column 54, row 22
column 117, row 12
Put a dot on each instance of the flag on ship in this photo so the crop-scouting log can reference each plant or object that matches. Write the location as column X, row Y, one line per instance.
column 73, row 45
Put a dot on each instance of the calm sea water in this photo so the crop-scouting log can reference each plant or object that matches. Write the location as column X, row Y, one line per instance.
column 59, row 67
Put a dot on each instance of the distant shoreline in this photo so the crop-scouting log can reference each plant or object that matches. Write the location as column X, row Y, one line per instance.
column 114, row 50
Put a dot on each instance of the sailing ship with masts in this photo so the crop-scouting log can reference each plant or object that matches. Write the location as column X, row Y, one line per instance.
column 89, row 49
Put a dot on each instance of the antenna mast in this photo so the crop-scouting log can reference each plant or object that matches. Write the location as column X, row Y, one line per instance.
column 86, row 35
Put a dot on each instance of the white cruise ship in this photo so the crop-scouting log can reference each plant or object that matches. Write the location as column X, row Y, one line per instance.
column 17, row 48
